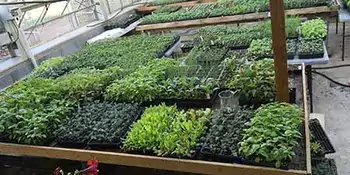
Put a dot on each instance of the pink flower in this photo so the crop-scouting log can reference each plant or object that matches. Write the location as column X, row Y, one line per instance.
column 57, row 171
column 92, row 169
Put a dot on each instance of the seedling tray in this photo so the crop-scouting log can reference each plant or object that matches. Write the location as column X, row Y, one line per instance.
column 320, row 136
column 118, row 143
column 311, row 56
column 205, row 154
column 78, row 145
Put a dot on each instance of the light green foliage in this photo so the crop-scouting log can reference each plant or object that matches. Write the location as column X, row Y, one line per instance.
column 167, row 131
column 314, row 29
column 255, row 82
column 261, row 47
column 272, row 134
column 315, row 147
column 164, row 2
column 48, row 68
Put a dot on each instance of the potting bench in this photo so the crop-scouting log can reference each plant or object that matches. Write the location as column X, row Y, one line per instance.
column 163, row 163
column 322, row 10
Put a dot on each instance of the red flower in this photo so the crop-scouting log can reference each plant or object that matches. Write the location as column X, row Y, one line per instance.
column 92, row 169
column 57, row 171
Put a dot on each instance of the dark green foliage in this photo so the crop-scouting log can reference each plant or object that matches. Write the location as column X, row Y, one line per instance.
column 206, row 56
column 272, row 134
column 311, row 47
column 127, row 52
column 326, row 167
column 226, row 127
column 255, row 82
column 98, row 122
column 164, row 2
column 227, row 8
column 167, row 9
column 261, row 47
column 167, row 131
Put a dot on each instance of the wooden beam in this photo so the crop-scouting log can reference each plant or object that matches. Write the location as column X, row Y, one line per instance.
column 306, row 122
column 279, row 49
column 172, row 164
column 146, row 9
column 234, row 19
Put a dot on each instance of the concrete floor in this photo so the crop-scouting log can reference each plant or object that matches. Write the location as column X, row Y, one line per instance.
column 334, row 101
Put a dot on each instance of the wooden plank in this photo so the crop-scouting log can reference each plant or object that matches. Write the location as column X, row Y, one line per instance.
column 172, row 164
column 279, row 50
column 306, row 121
column 233, row 19
column 149, row 9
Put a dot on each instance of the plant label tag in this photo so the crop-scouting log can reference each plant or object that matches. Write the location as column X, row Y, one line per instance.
column 268, row 14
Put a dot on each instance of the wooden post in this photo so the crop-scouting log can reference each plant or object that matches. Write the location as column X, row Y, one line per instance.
column 279, row 49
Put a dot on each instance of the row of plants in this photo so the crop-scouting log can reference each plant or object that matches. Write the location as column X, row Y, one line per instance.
column 226, row 8
column 127, row 52
column 159, row 79
column 164, row 2
column 167, row 9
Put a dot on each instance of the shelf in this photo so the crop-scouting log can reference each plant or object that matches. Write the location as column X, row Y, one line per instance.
column 234, row 19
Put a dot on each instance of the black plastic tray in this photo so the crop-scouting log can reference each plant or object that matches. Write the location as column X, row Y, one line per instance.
column 205, row 154
column 79, row 145
column 118, row 143
column 310, row 56
column 320, row 136
column 176, row 39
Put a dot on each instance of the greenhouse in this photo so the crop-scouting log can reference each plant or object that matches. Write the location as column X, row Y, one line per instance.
column 221, row 87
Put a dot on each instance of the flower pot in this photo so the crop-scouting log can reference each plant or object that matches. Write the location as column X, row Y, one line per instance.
column 228, row 99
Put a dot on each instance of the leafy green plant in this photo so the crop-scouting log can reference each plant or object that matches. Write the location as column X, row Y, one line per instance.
column 326, row 167
column 206, row 56
column 167, row 131
column 98, row 122
column 272, row 134
column 315, row 147
column 311, row 47
column 164, row 2
column 49, row 68
column 30, row 110
column 186, row 88
column 314, row 29
column 255, row 82
column 226, row 127
column 261, row 47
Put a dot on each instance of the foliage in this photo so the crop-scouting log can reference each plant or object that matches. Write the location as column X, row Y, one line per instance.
column 326, row 167
column 227, row 8
column 86, row 83
column 142, row 85
column 255, row 82
column 226, row 127
column 291, row 46
column 164, row 2
column 261, row 47
column 126, row 52
column 314, row 29
column 311, row 47
column 48, row 68
column 272, row 134
column 30, row 110
column 186, row 88
column 98, row 122
column 206, row 56
column 167, row 9
column 167, row 131
column 315, row 147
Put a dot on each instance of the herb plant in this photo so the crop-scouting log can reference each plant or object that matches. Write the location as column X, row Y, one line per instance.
column 49, row 68
column 225, row 131
column 167, row 131
column 98, row 122
column 261, row 47
column 314, row 29
column 272, row 134
column 255, row 82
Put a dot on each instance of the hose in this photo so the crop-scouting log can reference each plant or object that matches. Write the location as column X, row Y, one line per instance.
column 331, row 67
column 330, row 79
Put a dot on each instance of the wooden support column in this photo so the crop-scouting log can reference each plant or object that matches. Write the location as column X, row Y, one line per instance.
column 279, row 49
